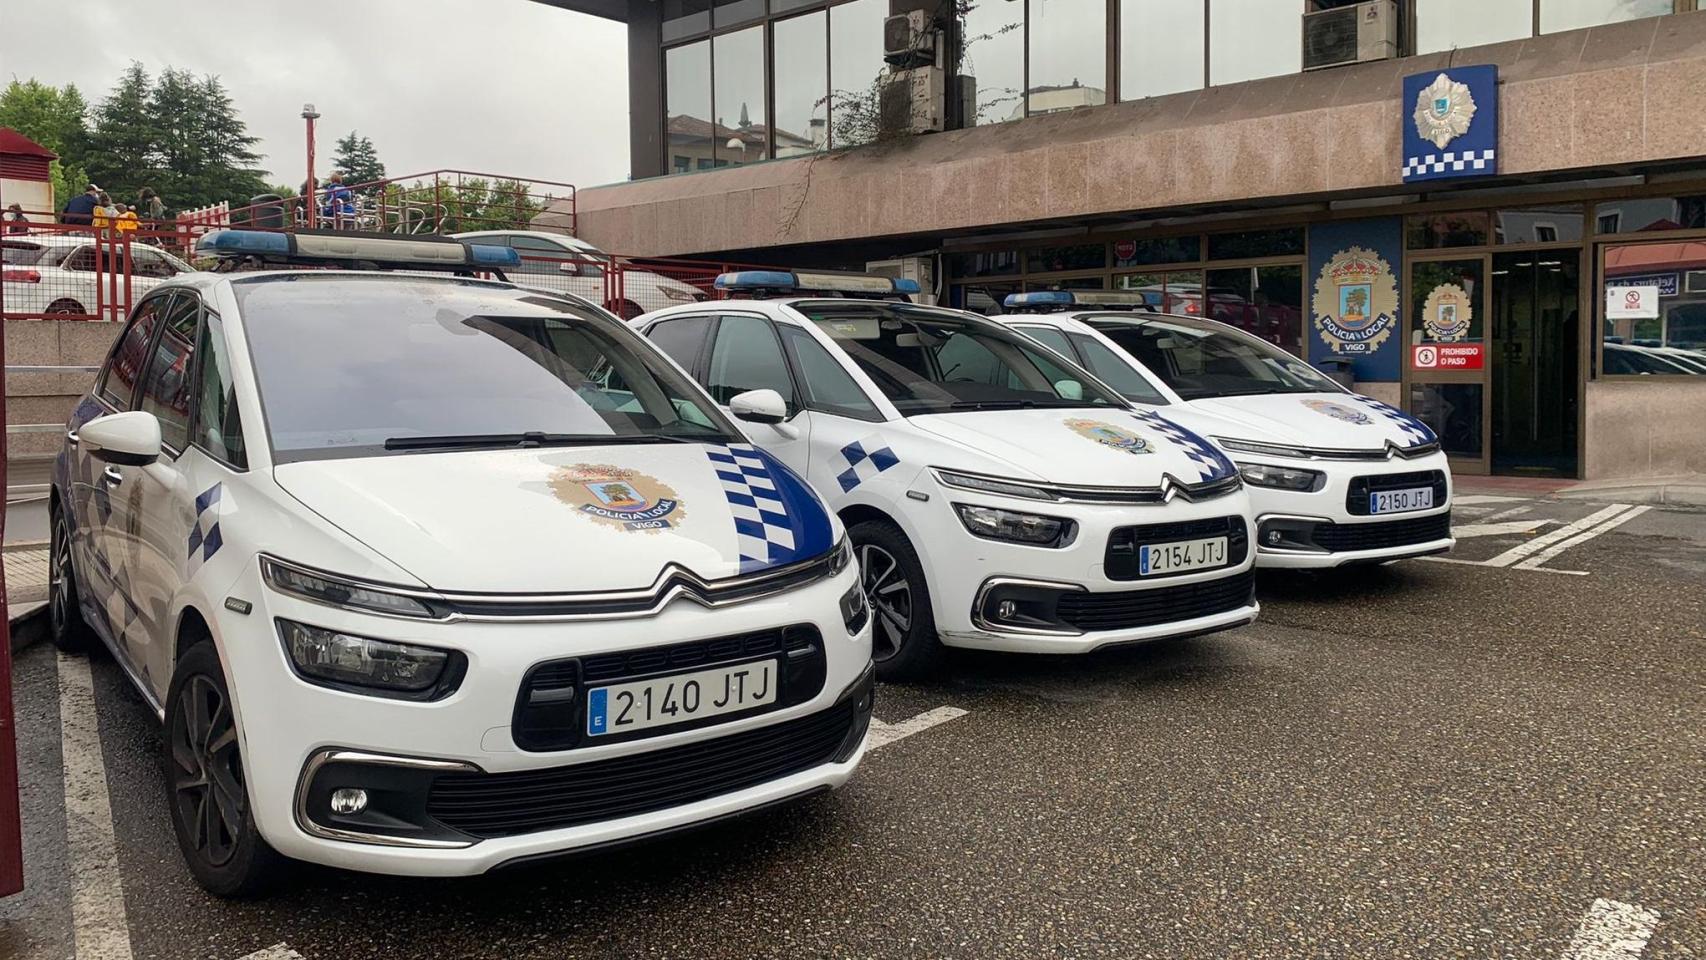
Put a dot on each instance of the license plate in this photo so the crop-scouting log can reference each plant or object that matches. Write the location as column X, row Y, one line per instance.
column 643, row 704
column 1399, row 501
column 1181, row 555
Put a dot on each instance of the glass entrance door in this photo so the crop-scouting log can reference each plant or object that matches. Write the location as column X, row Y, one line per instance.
column 1445, row 362
column 1535, row 334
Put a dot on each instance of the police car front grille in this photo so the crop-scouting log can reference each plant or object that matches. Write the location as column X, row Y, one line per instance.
column 1356, row 498
column 1382, row 534
column 640, row 602
column 1119, row 561
column 1130, row 609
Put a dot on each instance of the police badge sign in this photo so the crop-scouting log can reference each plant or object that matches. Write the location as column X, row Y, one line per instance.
column 1111, row 436
column 1446, row 313
column 1451, row 126
column 617, row 497
column 1356, row 301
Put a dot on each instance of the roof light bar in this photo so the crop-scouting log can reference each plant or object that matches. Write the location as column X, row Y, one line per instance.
column 799, row 281
column 1043, row 301
column 351, row 249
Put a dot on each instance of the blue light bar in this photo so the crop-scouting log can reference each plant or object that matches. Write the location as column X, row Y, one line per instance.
column 1039, row 298
column 754, row 279
column 1057, row 299
column 815, row 282
column 491, row 255
column 242, row 243
column 350, row 248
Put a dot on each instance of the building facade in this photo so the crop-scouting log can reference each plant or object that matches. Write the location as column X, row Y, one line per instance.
column 1493, row 215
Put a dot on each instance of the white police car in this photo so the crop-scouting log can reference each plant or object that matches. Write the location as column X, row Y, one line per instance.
column 1335, row 477
column 996, row 495
column 430, row 574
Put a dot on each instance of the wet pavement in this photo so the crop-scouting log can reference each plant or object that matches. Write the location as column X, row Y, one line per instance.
column 1422, row 760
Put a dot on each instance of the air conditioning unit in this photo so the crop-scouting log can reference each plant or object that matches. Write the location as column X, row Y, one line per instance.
column 909, row 39
column 1354, row 34
column 920, row 269
column 913, row 101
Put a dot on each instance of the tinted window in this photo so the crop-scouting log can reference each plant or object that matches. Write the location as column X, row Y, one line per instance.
column 1050, row 338
column 1115, row 371
column 17, row 254
column 827, row 384
column 219, row 429
column 681, row 338
column 166, row 389
column 1209, row 360
column 118, row 382
column 147, row 263
column 746, row 357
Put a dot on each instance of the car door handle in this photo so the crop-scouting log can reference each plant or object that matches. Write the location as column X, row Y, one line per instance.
column 112, row 476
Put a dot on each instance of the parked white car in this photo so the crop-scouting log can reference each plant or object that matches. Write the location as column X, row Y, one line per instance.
column 1334, row 477
column 565, row 264
column 61, row 274
column 997, row 496
column 429, row 575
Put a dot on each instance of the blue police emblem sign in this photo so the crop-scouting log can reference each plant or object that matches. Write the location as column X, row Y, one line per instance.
column 1451, row 123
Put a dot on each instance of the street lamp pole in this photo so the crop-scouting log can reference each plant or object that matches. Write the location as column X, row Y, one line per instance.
column 310, row 197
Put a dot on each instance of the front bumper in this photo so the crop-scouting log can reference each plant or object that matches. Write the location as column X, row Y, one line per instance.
column 1319, row 529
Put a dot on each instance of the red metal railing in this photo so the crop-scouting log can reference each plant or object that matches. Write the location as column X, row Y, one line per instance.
column 438, row 201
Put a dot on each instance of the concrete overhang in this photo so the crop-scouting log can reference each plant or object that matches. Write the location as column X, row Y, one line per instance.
column 608, row 9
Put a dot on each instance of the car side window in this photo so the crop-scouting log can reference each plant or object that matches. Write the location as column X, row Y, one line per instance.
column 118, row 381
column 166, row 387
column 682, row 338
column 81, row 259
column 147, row 263
column 218, row 428
column 1050, row 338
column 746, row 356
column 1115, row 372
column 827, row 385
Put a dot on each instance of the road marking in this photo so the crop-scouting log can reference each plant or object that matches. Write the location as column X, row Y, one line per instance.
column 1475, row 500
column 882, row 734
column 1559, row 535
column 100, row 928
column 1481, row 563
column 1612, row 930
column 278, row 951
column 1507, row 514
column 1557, row 548
column 1491, row 529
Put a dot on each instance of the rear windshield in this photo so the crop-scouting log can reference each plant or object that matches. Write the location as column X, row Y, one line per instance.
column 1200, row 359
column 939, row 361
column 365, row 366
column 16, row 253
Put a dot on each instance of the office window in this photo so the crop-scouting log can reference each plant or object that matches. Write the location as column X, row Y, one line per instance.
column 1138, row 253
column 1250, row 39
column 1161, row 47
column 855, row 67
column 1266, row 302
column 1078, row 256
column 1068, row 55
column 992, row 38
column 1649, row 214
column 1250, row 244
column 802, row 84
column 731, row 13
column 1550, row 224
column 742, row 135
column 990, row 263
column 687, row 97
column 1661, row 335
column 1447, row 24
column 1556, row 15
column 1179, row 291
column 685, row 18
column 1437, row 231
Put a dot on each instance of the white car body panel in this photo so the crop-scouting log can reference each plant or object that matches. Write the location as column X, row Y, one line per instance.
column 84, row 288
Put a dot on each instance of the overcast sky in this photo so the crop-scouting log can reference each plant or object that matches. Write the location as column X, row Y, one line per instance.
column 510, row 87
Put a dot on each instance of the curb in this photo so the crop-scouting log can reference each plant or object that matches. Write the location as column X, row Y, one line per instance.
column 30, row 626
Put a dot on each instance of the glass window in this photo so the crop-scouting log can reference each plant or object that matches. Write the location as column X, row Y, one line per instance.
column 741, row 134
column 1250, row 39
column 1648, row 214
column 856, row 68
column 118, row 382
column 1049, row 337
column 935, row 361
column 1661, row 335
column 688, row 102
column 1249, row 244
column 1441, row 292
column 828, row 386
column 1138, row 253
column 1538, row 224
column 219, row 428
column 17, row 253
column 1199, row 359
column 1179, row 291
column 682, row 338
column 730, row 13
column 1453, row 411
column 1116, row 371
column 802, row 85
column 1437, row 231
column 684, row 18
column 1265, row 302
column 1081, row 256
column 992, row 54
column 1161, row 47
column 1447, row 24
column 985, row 298
column 745, row 356
column 167, row 386
column 349, row 366
column 1558, row 15
column 991, row 264
column 1069, row 283
column 1068, row 55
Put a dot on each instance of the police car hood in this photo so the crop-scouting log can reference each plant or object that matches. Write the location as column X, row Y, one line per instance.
column 569, row 519
column 1079, row 446
column 1334, row 421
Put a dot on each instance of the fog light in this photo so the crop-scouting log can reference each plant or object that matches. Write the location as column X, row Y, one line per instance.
column 1275, row 537
column 347, row 801
column 1007, row 610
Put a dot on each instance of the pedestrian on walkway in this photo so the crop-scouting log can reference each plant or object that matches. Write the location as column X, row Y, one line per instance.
column 125, row 220
column 79, row 210
column 16, row 222
column 101, row 217
column 150, row 206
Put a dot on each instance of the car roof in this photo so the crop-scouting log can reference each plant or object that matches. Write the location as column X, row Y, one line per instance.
column 564, row 238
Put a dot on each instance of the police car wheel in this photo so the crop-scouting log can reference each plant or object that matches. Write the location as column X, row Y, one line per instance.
column 65, row 615
column 903, row 630
column 206, row 790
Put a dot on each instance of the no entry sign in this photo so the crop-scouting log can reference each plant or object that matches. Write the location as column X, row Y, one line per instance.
column 1446, row 356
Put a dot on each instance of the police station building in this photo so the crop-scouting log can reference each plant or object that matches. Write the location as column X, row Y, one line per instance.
column 1489, row 212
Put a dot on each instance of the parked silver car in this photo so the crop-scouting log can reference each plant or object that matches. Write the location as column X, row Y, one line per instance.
column 565, row 264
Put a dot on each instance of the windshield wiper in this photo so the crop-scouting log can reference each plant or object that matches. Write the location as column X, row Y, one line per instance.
column 530, row 439
column 1018, row 404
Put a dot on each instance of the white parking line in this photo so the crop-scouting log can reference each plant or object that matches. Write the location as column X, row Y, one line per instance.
column 1592, row 532
column 278, row 951
column 1491, row 529
column 882, row 734
column 1612, row 930
column 1559, row 535
column 100, row 929
column 1473, row 500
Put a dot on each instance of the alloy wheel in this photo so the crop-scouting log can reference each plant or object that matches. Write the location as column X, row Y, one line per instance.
column 59, row 579
column 889, row 595
column 207, row 772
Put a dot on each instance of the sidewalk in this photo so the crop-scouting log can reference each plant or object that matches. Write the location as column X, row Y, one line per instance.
column 1688, row 490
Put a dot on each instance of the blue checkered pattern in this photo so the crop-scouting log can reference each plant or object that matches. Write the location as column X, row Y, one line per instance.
column 1454, row 161
column 764, row 533
column 863, row 464
column 1417, row 432
column 1211, row 464
column 204, row 535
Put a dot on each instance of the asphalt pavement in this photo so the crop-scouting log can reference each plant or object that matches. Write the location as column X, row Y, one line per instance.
column 1496, row 757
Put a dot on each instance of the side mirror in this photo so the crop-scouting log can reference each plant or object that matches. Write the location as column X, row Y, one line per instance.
column 130, row 439
column 1069, row 389
column 759, row 406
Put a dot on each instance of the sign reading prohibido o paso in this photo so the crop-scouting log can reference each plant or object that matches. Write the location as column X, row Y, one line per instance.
column 1354, row 297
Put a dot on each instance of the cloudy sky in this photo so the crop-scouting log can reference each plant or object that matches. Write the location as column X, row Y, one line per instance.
column 509, row 87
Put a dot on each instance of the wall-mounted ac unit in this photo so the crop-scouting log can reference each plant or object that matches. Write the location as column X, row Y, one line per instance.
column 913, row 101
column 909, row 39
column 1355, row 34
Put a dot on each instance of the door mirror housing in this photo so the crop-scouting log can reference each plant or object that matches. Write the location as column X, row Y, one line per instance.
column 759, row 406
column 130, row 439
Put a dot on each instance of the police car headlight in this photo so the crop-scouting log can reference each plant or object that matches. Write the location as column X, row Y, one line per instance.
column 1005, row 488
column 332, row 658
column 324, row 588
column 1281, row 478
column 992, row 523
column 840, row 556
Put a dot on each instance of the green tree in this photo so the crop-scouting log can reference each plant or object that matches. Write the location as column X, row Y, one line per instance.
column 204, row 153
column 122, row 141
column 56, row 118
column 358, row 160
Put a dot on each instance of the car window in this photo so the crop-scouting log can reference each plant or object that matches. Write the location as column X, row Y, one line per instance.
column 166, row 385
column 218, row 427
column 81, row 259
column 826, row 383
column 1204, row 359
column 15, row 253
column 1115, row 371
column 1050, row 338
column 746, row 356
column 149, row 263
column 682, row 338
column 118, row 380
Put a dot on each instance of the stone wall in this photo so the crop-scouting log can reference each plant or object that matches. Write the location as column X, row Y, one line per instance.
column 1645, row 428
column 41, row 398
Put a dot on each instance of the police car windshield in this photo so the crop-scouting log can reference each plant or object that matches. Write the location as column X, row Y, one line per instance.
column 364, row 366
column 939, row 361
column 1200, row 359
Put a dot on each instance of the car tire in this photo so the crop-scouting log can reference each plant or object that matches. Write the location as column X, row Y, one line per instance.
column 65, row 307
column 206, row 792
column 66, row 626
column 904, row 644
